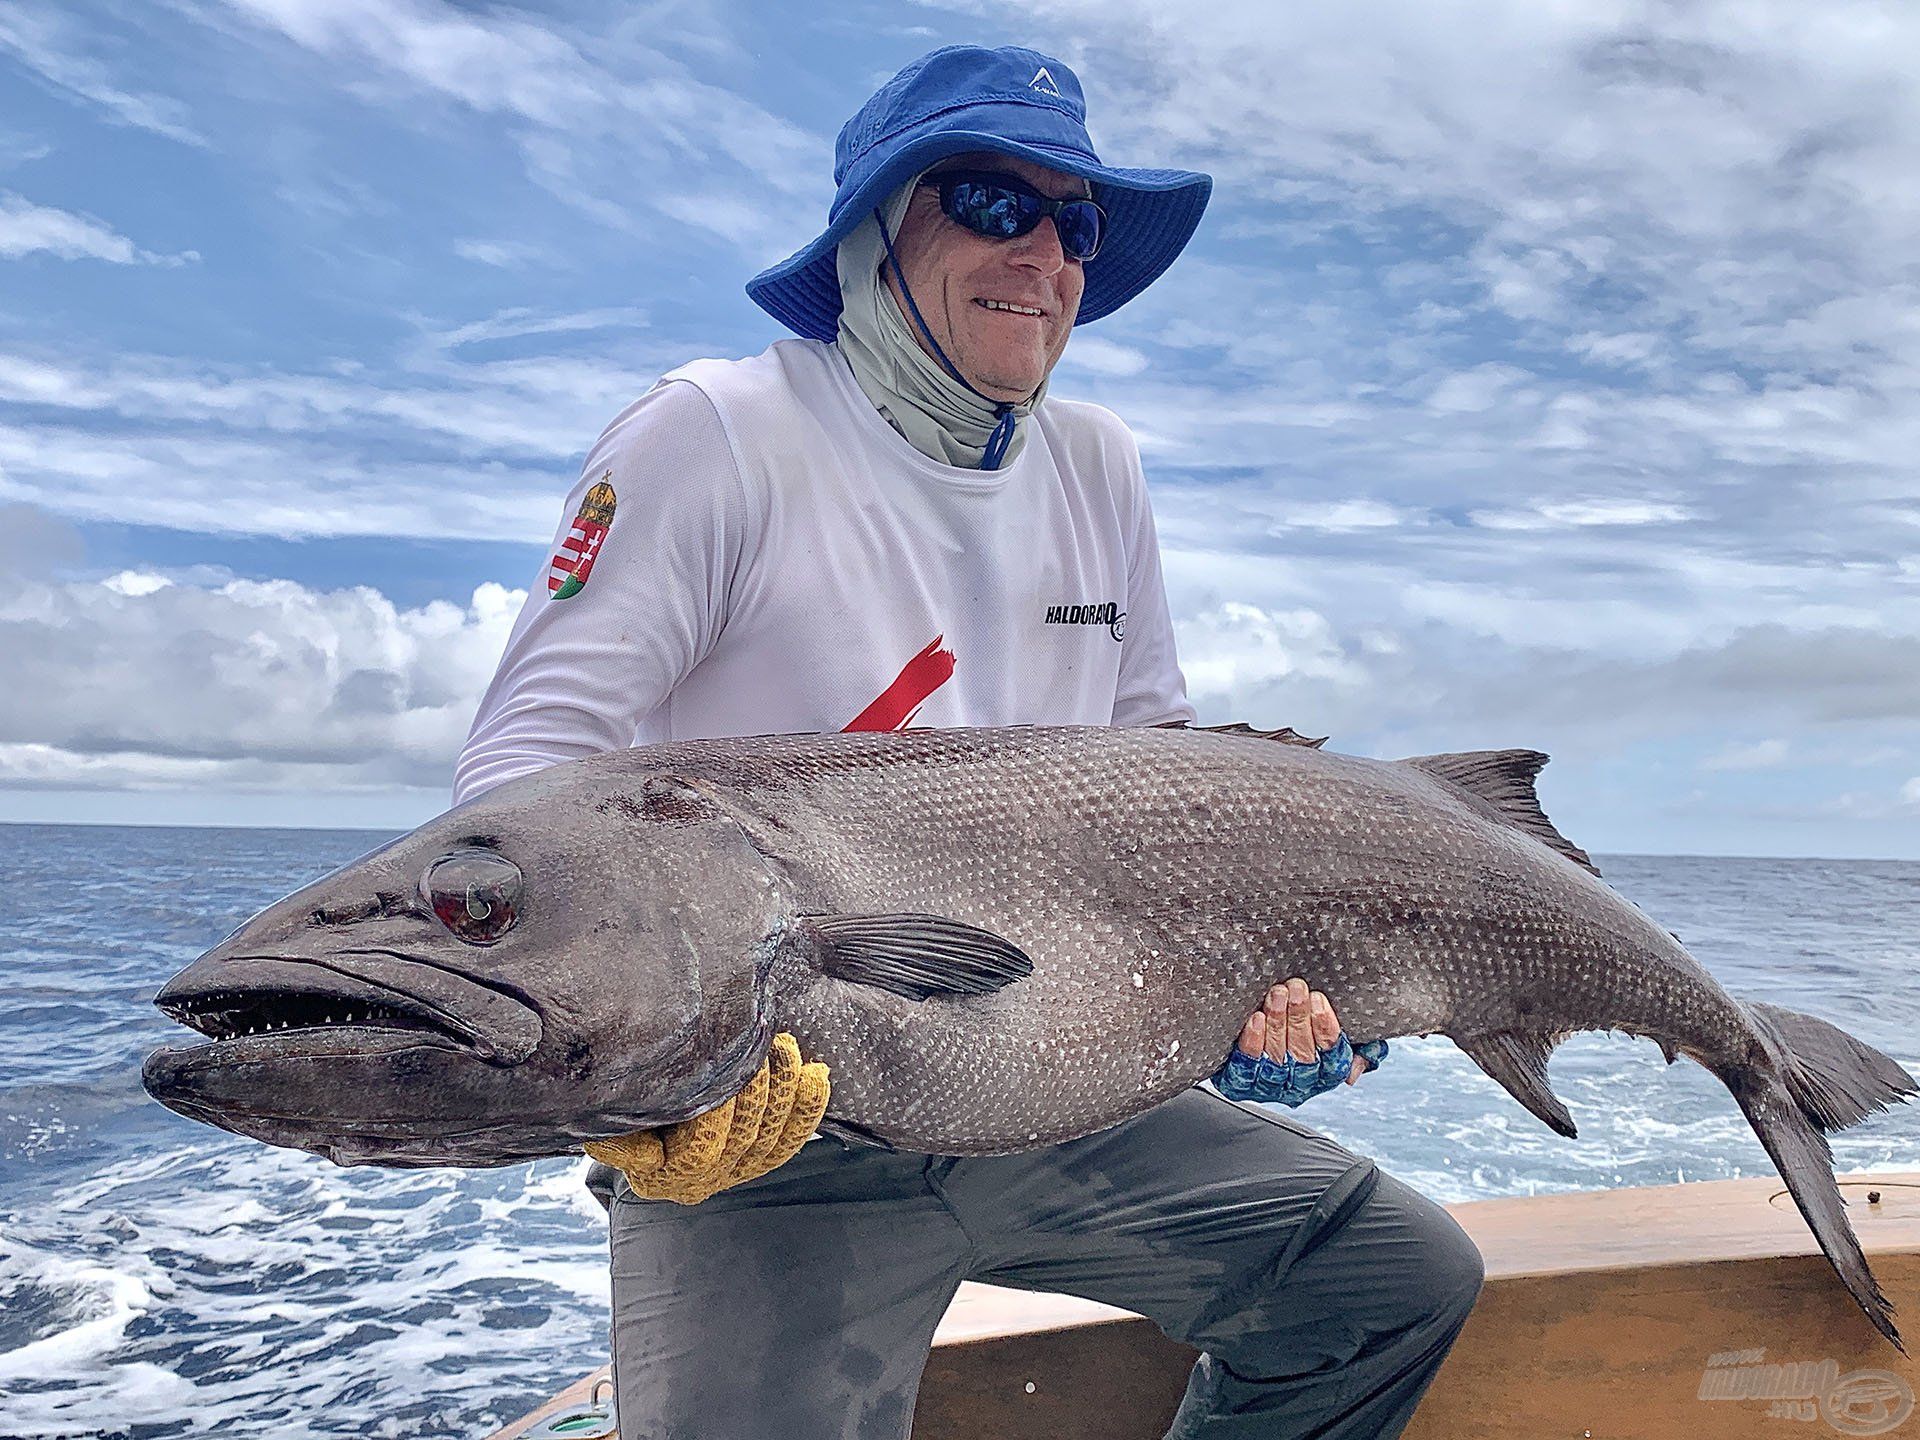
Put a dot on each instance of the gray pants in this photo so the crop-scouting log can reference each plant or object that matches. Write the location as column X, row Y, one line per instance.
column 1323, row 1293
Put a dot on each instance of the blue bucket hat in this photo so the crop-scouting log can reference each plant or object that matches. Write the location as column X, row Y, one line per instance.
column 1013, row 102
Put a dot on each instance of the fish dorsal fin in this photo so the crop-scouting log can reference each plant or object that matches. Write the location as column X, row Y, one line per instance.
column 1518, row 1060
column 1286, row 734
column 916, row 955
column 1504, row 780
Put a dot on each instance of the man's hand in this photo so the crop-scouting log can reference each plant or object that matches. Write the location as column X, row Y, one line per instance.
column 758, row 1130
column 1294, row 1021
column 1292, row 1049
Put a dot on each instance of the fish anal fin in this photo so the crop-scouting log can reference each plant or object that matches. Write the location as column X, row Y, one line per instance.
column 915, row 955
column 1518, row 1061
column 1502, row 780
column 1285, row 735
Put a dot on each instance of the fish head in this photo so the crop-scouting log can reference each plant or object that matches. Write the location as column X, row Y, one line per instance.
column 559, row 960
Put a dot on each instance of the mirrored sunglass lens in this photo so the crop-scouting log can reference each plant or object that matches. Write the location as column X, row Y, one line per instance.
column 991, row 210
column 1080, row 230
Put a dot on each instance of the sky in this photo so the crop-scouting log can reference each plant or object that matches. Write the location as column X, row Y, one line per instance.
column 1542, row 375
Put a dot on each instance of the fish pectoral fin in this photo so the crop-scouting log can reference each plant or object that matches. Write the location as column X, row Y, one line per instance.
column 916, row 955
column 1518, row 1060
column 853, row 1134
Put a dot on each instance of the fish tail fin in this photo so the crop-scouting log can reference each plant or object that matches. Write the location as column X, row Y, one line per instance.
column 1800, row 1153
column 1837, row 1080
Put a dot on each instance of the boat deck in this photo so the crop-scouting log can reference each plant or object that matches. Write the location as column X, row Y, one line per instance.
column 1701, row 1311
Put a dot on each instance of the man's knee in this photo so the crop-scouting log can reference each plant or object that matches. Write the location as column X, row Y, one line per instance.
column 1454, row 1269
column 1435, row 1271
column 1418, row 1271
column 1396, row 1272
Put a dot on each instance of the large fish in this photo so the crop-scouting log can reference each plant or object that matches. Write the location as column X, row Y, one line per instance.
column 995, row 939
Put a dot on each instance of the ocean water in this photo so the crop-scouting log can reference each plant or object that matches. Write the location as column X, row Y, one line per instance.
column 159, row 1277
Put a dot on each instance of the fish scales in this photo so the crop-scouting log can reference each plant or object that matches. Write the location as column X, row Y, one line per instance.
column 995, row 939
column 1210, row 872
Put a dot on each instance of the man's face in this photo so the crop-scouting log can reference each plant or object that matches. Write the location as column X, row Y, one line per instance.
column 952, row 272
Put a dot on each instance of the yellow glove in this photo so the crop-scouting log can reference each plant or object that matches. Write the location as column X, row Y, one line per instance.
column 760, row 1129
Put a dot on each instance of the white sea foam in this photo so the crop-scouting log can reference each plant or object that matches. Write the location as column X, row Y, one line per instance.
column 107, row 1300
column 101, row 1403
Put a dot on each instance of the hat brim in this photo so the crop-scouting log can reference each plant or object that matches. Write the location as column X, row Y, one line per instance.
column 1151, row 215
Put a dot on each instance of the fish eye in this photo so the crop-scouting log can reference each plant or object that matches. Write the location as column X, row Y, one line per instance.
column 475, row 892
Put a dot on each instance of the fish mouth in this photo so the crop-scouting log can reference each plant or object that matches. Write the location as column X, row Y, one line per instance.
column 348, row 1004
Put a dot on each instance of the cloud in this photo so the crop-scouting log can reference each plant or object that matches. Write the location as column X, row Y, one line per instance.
column 1341, row 515
column 16, row 149
column 581, row 108
column 1824, row 676
column 1760, row 755
column 1104, row 357
column 497, row 411
column 1430, row 635
column 29, row 229
column 503, row 254
column 35, row 544
column 41, row 39
column 1568, row 268
column 1476, row 389
column 545, row 405
column 237, row 486
column 1561, row 514
column 521, row 323
column 139, row 681
column 1233, row 652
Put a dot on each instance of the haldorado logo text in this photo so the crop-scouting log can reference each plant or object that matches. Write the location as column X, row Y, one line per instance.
column 1859, row 1402
column 1107, row 614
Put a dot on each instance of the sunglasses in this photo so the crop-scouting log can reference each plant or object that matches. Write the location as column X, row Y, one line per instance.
column 1001, row 206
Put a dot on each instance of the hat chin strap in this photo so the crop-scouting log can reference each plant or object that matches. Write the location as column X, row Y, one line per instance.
column 1002, row 434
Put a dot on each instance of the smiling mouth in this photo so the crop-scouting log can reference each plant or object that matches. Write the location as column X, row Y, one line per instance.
column 1008, row 307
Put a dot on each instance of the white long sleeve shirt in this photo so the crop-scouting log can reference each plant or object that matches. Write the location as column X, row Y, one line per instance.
column 752, row 549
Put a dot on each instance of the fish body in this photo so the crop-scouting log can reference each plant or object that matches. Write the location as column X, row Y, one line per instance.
column 995, row 939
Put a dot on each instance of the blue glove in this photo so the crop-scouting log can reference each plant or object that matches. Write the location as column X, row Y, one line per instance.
column 1291, row 1081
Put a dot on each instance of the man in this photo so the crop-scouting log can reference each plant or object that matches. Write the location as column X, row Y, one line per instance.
column 887, row 522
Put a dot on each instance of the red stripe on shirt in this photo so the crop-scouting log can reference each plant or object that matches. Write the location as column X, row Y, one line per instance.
column 894, row 707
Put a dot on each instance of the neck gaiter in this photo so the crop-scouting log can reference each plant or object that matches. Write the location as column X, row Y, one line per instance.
column 940, row 417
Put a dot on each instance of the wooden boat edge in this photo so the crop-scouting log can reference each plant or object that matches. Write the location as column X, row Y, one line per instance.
column 1632, row 1312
